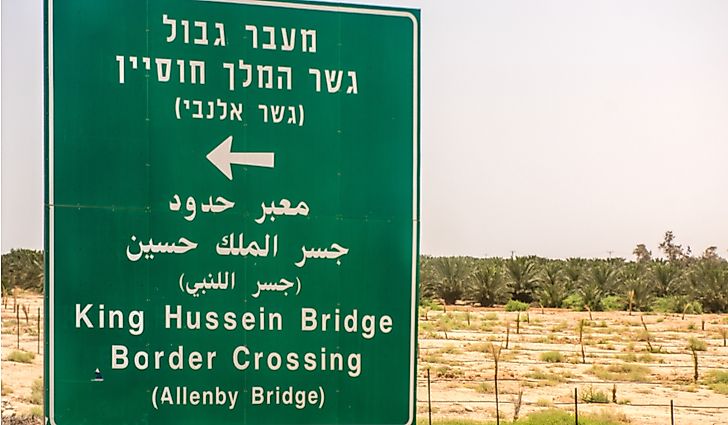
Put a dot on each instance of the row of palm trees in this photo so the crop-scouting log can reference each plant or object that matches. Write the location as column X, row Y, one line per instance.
column 678, row 283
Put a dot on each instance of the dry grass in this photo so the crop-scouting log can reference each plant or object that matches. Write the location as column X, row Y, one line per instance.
column 696, row 344
column 548, row 377
column 36, row 392
column 642, row 358
column 483, row 388
column 717, row 381
column 620, row 372
column 19, row 356
column 551, row 357
column 448, row 372
column 5, row 389
column 450, row 349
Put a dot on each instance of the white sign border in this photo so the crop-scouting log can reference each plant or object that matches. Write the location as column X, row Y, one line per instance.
column 415, row 180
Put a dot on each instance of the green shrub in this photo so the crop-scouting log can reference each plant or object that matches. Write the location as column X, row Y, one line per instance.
column 620, row 372
column 696, row 344
column 544, row 402
column 514, row 305
column 450, row 349
column 719, row 388
column 560, row 417
column 35, row 412
column 693, row 308
column 644, row 358
column 629, row 357
column 544, row 417
column 574, row 302
column 21, row 356
column 452, row 421
column 717, row 377
column 550, row 378
column 430, row 304
column 717, row 381
column 36, row 391
column 552, row 357
column 484, row 388
column 676, row 304
column 667, row 305
column 590, row 395
column 429, row 357
column 614, row 303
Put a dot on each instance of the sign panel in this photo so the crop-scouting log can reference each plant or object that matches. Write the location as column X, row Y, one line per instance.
column 232, row 212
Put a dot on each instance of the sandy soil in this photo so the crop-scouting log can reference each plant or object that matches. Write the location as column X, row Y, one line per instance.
column 461, row 370
column 17, row 378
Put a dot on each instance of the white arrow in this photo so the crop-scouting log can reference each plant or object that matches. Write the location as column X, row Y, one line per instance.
column 222, row 158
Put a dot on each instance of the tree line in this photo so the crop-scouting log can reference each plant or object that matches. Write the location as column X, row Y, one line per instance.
column 23, row 269
column 679, row 282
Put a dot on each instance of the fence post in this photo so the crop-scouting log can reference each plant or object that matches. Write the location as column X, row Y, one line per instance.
column 508, row 332
column 38, row 330
column 695, row 363
column 429, row 400
column 495, row 379
column 576, row 407
column 672, row 413
column 17, row 323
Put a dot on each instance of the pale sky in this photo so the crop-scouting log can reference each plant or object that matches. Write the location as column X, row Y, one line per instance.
column 555, row 128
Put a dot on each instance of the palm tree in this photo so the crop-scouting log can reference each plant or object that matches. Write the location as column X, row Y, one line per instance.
column 551, row 289
column 597, row 283
column 522, row 276
column 449, row 277
column 488, row 286
column 591, row 295
column 635, row 287
column 573, row 272
column 667, row 279
column 604, row 275
column 709, row 283
column 427, row 276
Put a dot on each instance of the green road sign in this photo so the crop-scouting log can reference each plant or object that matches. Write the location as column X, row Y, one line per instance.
column 232, row 212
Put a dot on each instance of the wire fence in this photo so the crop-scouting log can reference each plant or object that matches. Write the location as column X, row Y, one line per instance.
column 680, row 349
column 556, row 403
column 517, row 402
column 540, row 381
column 463, row 380
column 28, row 317
column 572, row 406
column 656, row 365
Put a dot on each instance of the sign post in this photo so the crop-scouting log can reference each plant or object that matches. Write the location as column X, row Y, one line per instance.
column 231, row 212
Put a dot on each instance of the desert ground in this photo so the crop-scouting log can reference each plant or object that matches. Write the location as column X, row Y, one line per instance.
column 629, row 369
column 19, row 376
column 618, row 374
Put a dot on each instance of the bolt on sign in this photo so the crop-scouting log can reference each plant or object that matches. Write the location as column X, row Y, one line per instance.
column 232, row 212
